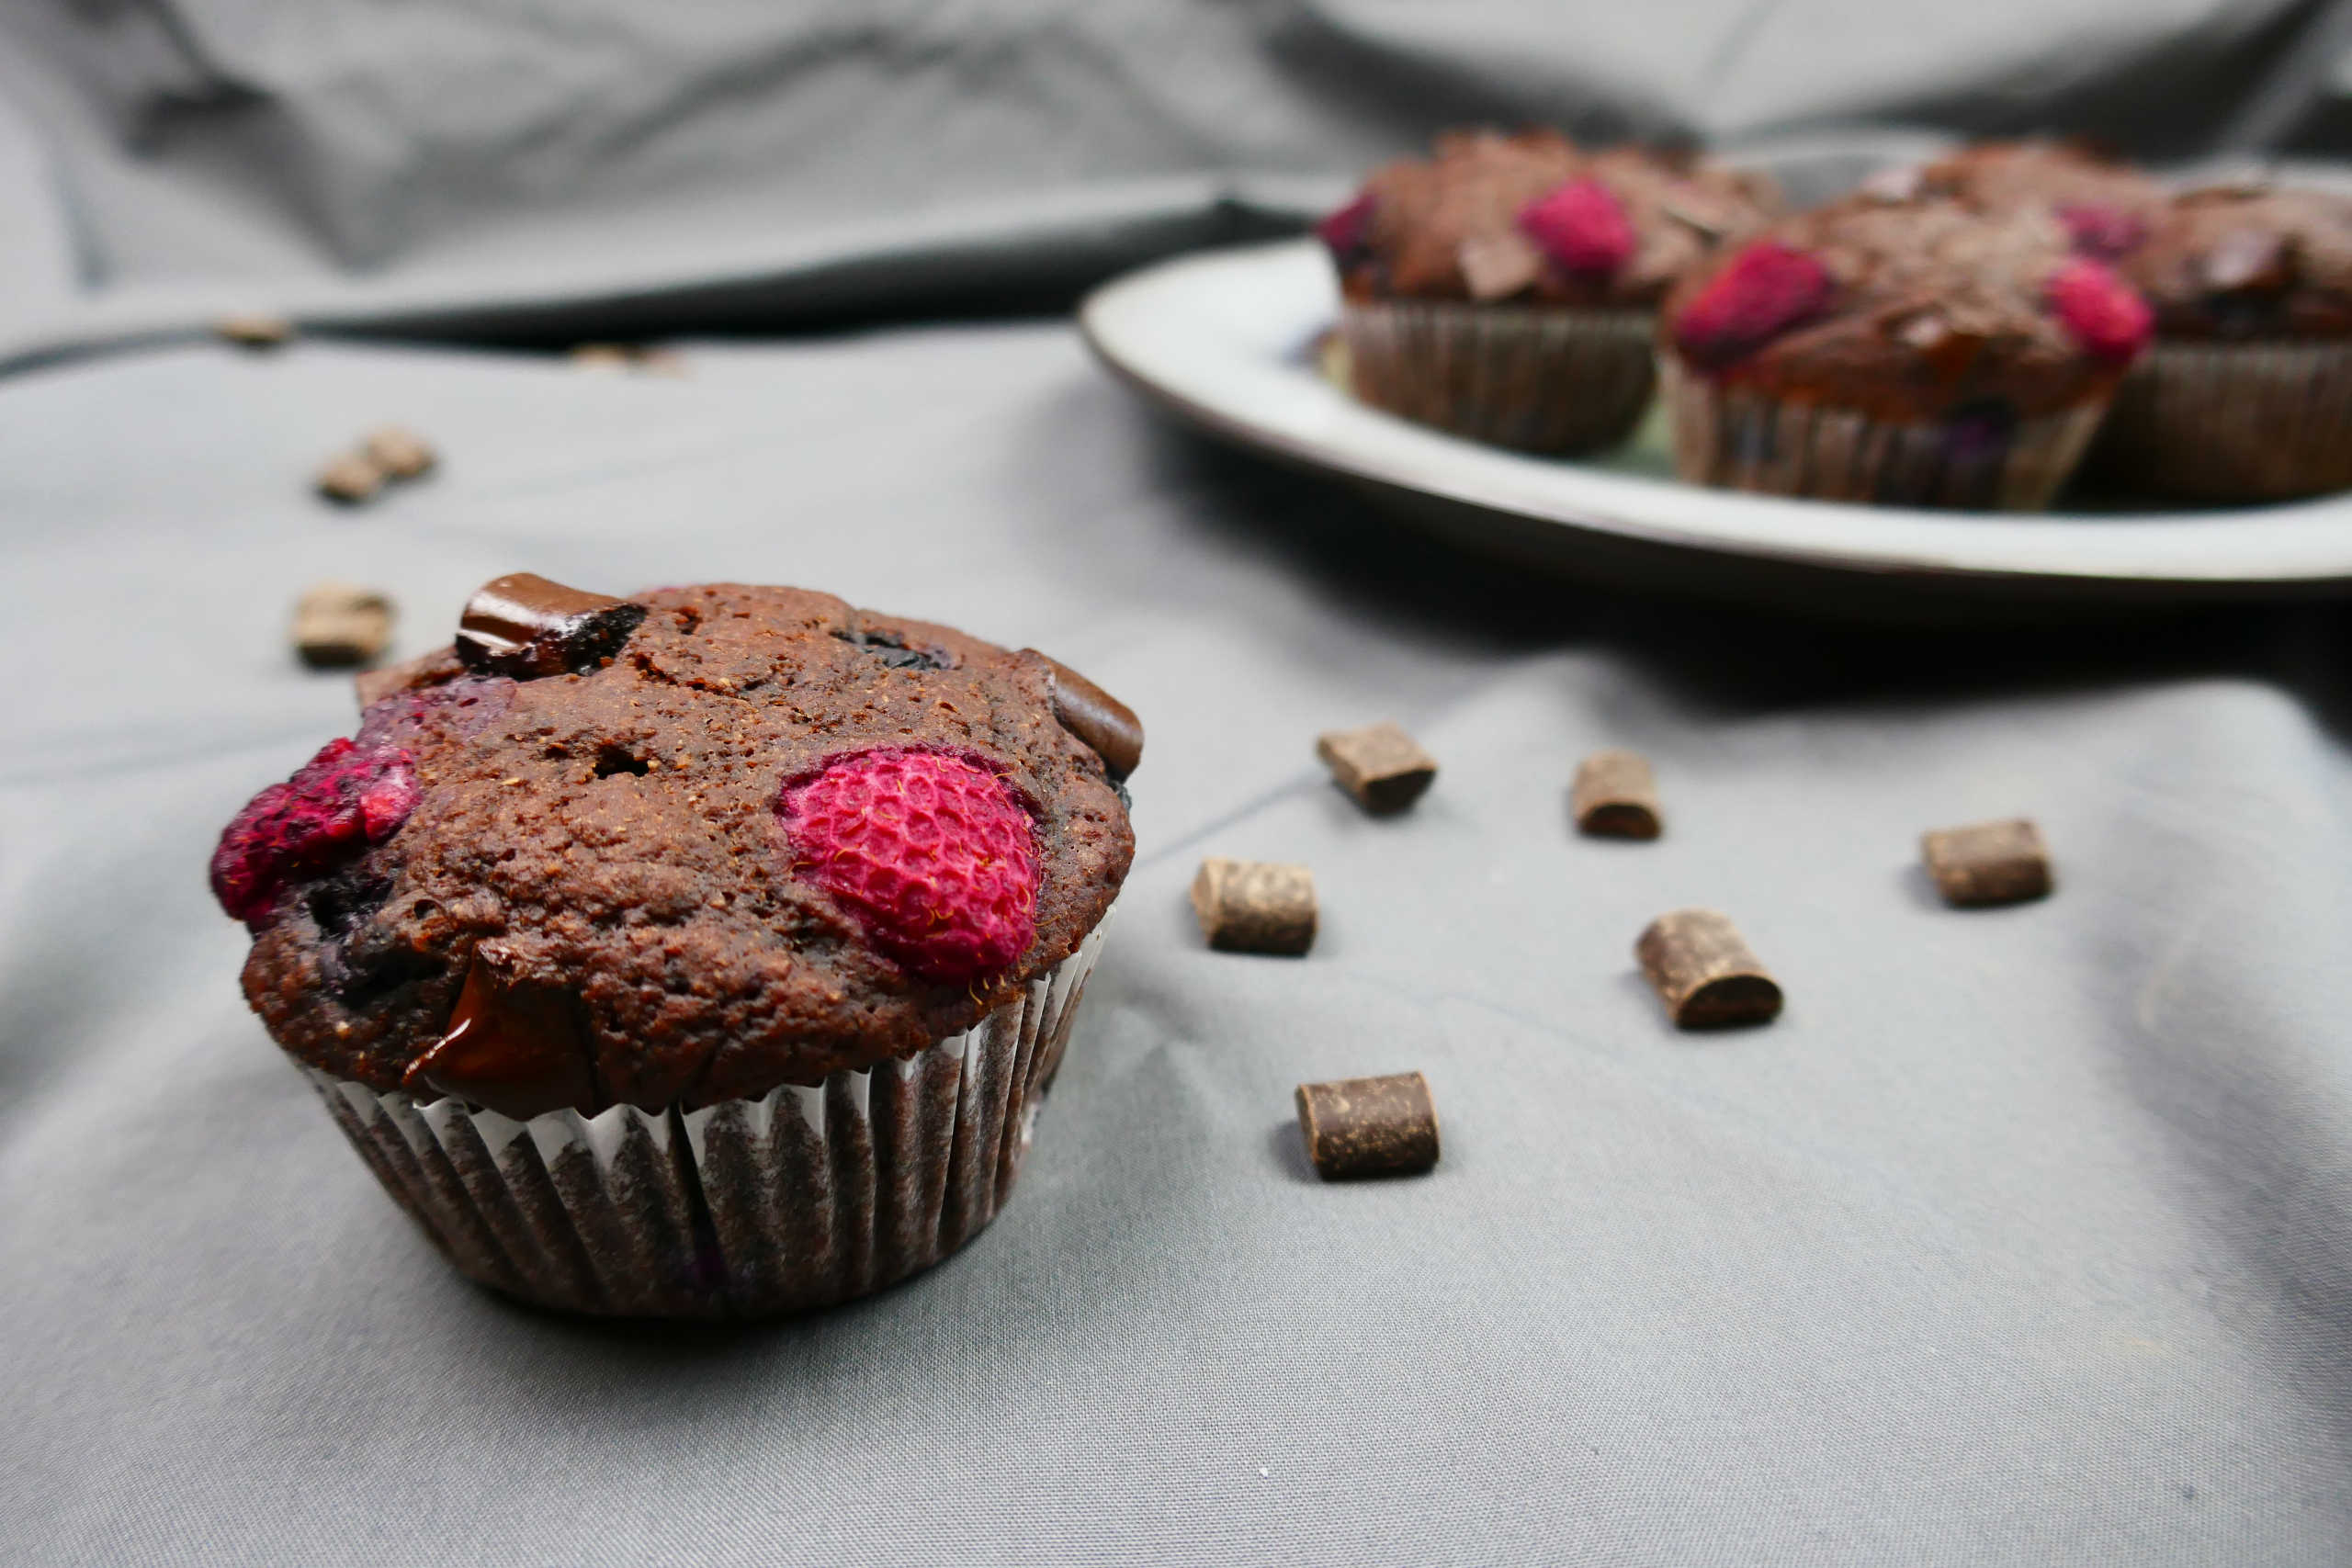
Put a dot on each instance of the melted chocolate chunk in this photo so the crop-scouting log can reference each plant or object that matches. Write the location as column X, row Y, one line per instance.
column 894, row 652
column 342, row 902
column 516, row 1047
column 522, row 624
column 1097, row 718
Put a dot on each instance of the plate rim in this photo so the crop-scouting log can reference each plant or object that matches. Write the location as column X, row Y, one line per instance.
column 1102, row 320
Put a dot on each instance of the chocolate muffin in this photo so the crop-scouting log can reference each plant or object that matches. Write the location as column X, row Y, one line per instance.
column 698, row 954
column 2106, row 204
column 1917, row 353
column 1506, row 288
column 2247, row 393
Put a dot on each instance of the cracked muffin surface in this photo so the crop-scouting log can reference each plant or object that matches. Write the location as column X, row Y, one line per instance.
column 605, row 847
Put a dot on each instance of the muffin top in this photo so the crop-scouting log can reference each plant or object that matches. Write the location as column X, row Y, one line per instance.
column 2106, row 206
column 1533, row 219
column 2243, row 261
column 1911, row 311
column 677, row 849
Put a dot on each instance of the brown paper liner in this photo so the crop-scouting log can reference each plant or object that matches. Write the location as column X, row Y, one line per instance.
column 1739, row 440
column 2233, row 421
column 806, row 1196
column 1535, row 379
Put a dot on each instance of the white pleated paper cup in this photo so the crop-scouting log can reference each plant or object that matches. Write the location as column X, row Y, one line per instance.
column 1740, row 440
column 806, row 1196
column 1552, row 380
column 2259, row 420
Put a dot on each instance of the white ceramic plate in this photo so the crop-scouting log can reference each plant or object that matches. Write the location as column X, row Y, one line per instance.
column 1226, row 340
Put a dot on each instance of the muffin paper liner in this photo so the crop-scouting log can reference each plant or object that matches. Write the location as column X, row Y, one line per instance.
column 1537, row 378
column 804, row 1197
column 1740, row 440
column 2233, row 421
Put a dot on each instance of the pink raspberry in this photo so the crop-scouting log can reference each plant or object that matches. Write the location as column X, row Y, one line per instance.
column 2106, row 317
column 1582, row 227
column 342, row 800
column 2103, row 233
column 1344, row 231
column 931, row 851
column 1768, row 288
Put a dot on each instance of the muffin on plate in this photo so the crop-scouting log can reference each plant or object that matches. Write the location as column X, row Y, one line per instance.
column 1916, row 354
column 2106, row 206
column 1506, row 289
column 702, row 953
column 2248, row 392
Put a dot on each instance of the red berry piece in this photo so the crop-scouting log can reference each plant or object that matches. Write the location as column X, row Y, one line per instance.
column 343, row 800
column 2103, row 233
column 2102, row 310
column 1343, row 232
column 1582, row 227
column 932, row 852
column 1767, row 288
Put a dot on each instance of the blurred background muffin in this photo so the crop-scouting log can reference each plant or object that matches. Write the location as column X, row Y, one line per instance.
column 1505, row 288
column 1911, row 353
column 2248, row 392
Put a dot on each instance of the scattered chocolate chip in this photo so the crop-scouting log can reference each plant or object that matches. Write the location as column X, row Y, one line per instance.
column 1704, row 973
column 1254, row 907
column 523, row 624
column 1988, row 862
column 253, row 330
column 1095, row 717
column 401, row 452
column 1498, row 265
column 1361, row 1127
column 338, row 624
column 1615, row 797
column 434, row 668
column 1381, row 765
column 515, row 1047
column 351, row 477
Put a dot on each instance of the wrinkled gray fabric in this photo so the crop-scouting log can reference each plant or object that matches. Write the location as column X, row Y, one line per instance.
column 608, row 166
column 2020, row 1237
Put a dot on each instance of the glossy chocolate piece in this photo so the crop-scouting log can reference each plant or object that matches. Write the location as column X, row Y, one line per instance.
column 1615, row 797
column 1097, row 718
column 1988, row 862
column 2248, row 261
column 350, row 478
column 1705, row 972
column 1383, row 768
column 400, row 451
column 522, row 624
column 339, row 624
column 1363, row 1127
column 519, row 1049
column 1254, row 907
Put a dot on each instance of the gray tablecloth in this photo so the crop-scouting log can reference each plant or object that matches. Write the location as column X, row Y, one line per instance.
column 2022, row 1237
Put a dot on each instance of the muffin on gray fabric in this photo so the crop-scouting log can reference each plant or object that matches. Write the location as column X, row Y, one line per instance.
column 699, row 953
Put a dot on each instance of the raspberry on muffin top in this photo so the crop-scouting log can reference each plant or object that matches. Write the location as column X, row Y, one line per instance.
column 679, row 849
column 1532, row 218
column 1909, row 312
column 2249, row 262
